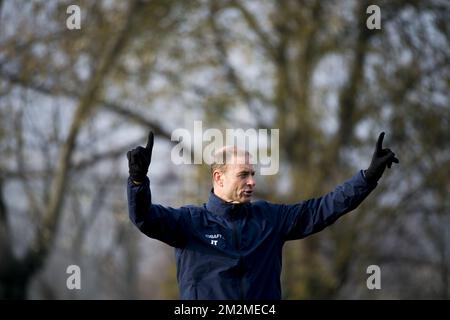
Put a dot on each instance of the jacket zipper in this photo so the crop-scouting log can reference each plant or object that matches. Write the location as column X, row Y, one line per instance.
column 235, row 236
column 237, row 247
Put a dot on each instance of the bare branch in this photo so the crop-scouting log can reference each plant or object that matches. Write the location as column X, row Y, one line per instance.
column 106, row 105
column 40, row 248
column 223, row 56
column 348, row 95
column 4, row 226
column 257, row 29
column 231, row 73
column 36, row 208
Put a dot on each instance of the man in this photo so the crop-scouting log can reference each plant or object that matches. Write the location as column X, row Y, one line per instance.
column 231, row 248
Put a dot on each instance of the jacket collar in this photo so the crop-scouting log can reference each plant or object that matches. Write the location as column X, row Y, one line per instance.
column 219, row 206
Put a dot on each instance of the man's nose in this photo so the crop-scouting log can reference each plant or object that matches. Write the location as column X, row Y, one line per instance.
column 251, row 181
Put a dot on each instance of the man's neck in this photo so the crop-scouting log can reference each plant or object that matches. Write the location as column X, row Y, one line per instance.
column 224, row 197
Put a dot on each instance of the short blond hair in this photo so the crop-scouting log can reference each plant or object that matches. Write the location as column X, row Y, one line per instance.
column 224, row 155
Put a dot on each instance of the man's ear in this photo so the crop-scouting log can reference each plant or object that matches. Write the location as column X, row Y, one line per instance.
column 218, row 177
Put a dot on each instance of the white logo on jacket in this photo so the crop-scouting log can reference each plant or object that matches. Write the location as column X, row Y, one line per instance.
column 214, row 238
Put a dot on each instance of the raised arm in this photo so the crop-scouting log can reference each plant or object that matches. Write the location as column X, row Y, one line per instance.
column 163, row 223
column 307, row 217
column 311, row 216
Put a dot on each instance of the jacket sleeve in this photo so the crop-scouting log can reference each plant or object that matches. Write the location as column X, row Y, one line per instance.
column 163, row 223
column 305, row 218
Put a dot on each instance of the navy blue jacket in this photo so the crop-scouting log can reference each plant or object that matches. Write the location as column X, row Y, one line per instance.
column 234, row 251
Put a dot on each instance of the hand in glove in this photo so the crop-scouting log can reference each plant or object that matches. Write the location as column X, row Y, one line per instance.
column 139, row 160
column 381, row 158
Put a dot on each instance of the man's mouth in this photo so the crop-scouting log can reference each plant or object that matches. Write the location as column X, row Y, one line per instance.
column 248, row 193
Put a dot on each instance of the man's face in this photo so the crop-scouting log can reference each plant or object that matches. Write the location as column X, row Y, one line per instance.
column 238, row 181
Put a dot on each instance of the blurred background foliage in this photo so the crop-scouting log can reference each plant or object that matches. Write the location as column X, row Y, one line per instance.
column 72, row 102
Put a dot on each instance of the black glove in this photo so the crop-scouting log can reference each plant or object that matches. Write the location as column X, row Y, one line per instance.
column 139, row 160
column 381, row 158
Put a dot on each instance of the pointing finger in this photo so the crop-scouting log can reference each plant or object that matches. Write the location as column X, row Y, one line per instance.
column 380, row 142
column 150, row 141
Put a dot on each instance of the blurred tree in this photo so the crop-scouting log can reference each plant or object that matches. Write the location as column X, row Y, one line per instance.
column 297, row 39
column 16, row 272
column 310, row 68
column 27, row 67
